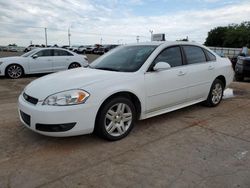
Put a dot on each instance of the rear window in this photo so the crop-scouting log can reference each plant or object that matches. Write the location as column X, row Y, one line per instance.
column 194, row 54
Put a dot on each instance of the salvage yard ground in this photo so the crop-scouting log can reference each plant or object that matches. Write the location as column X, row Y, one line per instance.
column 193, row 147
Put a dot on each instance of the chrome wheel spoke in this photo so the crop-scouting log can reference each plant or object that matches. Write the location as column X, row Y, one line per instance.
column 120, row 130
column 127, row 117
column 111, row 127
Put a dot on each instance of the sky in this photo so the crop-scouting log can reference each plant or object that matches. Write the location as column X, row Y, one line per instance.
column 114, row 21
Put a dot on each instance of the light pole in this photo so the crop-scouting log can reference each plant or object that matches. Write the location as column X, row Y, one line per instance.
column 46, row 40
column 69, row 35
column 137, row 39
column 151, row 31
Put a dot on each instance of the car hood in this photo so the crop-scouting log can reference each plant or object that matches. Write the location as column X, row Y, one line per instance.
column 66, row 80
column 11, row 59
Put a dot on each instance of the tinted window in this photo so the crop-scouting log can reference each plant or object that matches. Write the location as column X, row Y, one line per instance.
column 124, row 59
column 194, row 54
column 44, row 53
column 211, row 57
column 61, row 53
column 171, row 55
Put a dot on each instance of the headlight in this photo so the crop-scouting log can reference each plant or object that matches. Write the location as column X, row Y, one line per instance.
column 65, row 98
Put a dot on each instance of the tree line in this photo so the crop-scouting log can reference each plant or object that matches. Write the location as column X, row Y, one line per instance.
column 232, row 36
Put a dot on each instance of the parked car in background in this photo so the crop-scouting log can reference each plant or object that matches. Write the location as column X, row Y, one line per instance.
column 90, row 50
column 131, row 82
column 105, row 49
column 82, row 49
column 73, row 48
column 65, row 46
column 41, row 61
column 32, row 47
column 242, row 68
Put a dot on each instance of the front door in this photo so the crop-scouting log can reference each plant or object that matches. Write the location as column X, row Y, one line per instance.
column 41, row 61
column 166, row 88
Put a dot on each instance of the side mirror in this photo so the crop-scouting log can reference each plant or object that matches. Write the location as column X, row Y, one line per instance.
column 161, row 66
column 35, row 56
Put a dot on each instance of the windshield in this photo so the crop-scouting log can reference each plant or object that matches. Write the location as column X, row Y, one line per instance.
column 124, row 59
column 29, row 53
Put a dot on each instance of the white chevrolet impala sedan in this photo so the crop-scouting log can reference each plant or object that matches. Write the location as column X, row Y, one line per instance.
column 43, row 60
column 130, row 82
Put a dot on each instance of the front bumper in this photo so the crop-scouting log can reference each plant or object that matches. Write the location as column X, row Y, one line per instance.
column 58, row 121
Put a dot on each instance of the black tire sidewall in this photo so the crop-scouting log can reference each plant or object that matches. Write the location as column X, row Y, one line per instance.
column 100, row 127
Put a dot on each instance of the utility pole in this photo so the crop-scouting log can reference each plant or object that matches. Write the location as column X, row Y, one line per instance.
column 137, row 39
column 69, row 35
column 151, row 31
column 101, row 41
column 46, row 39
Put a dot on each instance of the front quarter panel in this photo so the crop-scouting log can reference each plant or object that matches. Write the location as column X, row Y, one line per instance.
column 22, row 62
column 132, row 82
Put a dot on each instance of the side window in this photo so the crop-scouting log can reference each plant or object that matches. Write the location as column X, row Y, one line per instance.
column 61, row 53
column 211, row 57
column 44, row 53
column 194, row 54
column 171, row 55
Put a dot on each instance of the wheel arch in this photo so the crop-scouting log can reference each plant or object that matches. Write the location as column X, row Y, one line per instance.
column 74, row 62
column 127, row 94
column 223, row 79
column 7, row 66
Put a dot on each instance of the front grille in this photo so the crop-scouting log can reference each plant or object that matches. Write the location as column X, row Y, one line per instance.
column 25, row 118
column 30, row 99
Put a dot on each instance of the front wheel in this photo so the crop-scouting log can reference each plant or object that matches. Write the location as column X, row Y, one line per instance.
column 216, row 93
column 115, row 119
column 14, row 71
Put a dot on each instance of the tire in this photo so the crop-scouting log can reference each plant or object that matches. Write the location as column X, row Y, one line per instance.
column 74, row 65
column 216, row 93
column 115, row 119
column 239, row 78
column 14, row 71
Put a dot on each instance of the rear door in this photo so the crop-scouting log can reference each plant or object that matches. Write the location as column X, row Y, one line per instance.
column 201, row 71
column 42, row 61
column 62, row 59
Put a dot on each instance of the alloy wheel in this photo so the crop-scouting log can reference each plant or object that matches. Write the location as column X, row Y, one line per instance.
column 15, row 71
column 217, row 93
column 118, row 119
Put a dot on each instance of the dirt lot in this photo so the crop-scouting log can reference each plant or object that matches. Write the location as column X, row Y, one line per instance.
column 193, row 147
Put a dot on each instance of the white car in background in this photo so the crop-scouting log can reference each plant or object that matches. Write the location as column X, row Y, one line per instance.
column 42, row 60
column 128, row 83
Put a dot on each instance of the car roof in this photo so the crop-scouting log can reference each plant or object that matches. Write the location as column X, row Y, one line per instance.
column 158, row 43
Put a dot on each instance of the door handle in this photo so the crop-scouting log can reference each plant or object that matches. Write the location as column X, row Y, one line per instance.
column 181, row 73
column 50, row 60
column 210, row 67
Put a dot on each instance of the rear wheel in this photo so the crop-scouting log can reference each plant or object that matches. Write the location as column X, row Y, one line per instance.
column 115, row 119
column 74, row 65
column 14, row 71
column 216, row 93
